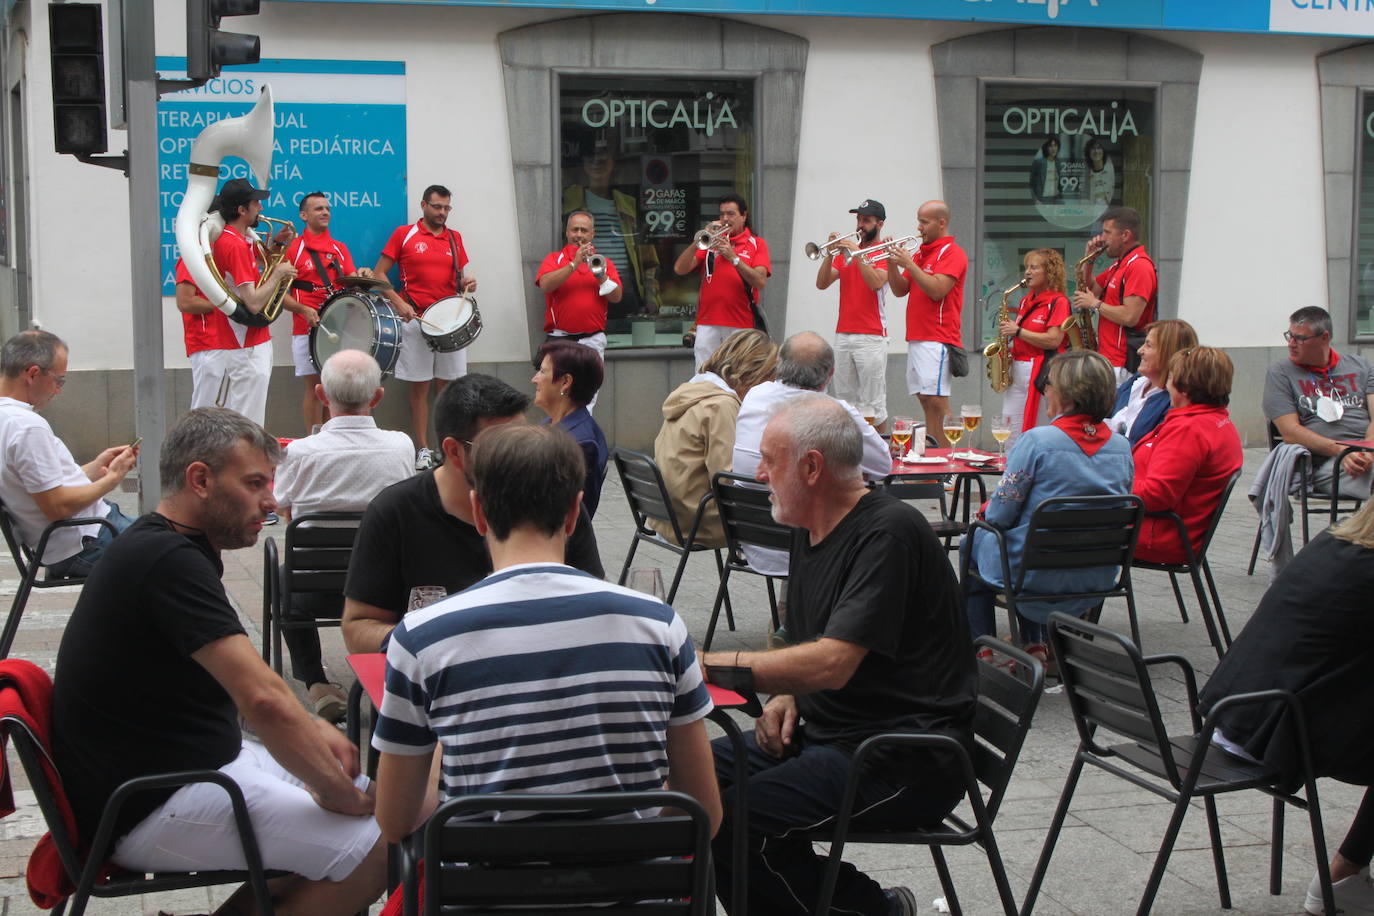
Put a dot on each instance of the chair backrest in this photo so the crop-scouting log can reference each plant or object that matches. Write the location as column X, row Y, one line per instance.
column 915, row 488
column 645, row 491
column 18, row 549
column 318, row 548
column 1082, row 532
column 583, row 855
column 1006, row 706
column 1109, row 689
column 33, row 757
column 747, row 515
column 1275, row 437
column 1217, row 513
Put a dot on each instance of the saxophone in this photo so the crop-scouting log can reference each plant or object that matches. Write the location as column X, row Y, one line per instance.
column 1078, row 327
column 998, row 353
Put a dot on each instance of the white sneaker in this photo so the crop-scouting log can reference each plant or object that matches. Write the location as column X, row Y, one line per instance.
column 424, row 460
column 1354, row 894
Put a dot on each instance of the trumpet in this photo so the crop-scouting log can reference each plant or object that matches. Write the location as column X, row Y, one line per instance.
column 998, row 353
column 597, row 264
column 816, row 252
column 1078, row 327
column 875, row 254
column 706, row 238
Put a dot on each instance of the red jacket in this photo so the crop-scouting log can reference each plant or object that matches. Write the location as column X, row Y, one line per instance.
column 1182, row 466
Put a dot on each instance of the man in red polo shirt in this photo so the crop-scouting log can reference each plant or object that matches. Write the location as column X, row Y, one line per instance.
column 1125, row 295
column 232, row 362
column 575, row 300
column 935, row 279
column 433, row 263
column 312, row 251
column 734, row 272
column 861, row 332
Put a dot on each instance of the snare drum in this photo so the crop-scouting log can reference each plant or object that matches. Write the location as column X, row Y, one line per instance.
column 357, row 319
column 451, row 324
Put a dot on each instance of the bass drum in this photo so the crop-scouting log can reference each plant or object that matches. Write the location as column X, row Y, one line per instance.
column 357, row 319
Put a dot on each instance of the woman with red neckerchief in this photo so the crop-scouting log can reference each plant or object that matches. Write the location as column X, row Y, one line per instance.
column 1077, row 454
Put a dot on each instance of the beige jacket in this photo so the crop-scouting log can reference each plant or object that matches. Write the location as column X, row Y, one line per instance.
column 697, row 440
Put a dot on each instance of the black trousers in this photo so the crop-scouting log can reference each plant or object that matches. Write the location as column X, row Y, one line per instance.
column 303, row 643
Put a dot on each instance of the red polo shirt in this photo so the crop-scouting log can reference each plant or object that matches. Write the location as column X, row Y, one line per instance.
column 213, row 331
column 1132, row 275
column 336, row 259
column 927, row 319
column 724, row 297
column 575, row 307
column 862, row 310
column 426, row 262
column 1037, row 314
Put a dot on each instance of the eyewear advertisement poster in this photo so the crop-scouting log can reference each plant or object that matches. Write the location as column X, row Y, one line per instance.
column 1055, row 159
column 649, row 157
column 340, row 128
column 1364, row 244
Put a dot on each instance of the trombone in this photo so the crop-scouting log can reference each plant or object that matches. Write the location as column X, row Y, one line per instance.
column 815, row 252
column 874, row 254
column 706, row 238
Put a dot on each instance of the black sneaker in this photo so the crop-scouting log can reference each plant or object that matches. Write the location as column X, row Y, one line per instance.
column 900, row 901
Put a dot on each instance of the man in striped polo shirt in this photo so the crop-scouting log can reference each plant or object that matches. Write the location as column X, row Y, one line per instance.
column 539, row 677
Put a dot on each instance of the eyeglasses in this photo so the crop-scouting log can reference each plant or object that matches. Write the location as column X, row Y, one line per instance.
column 58, row 380
column 1300, row 338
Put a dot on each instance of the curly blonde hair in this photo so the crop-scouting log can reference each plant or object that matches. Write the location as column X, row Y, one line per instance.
column 1054, row 267
column 745, row 359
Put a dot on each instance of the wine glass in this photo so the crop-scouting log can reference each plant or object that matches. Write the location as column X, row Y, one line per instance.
column 953, row 429
column 901, row 435
column 972, row 415
column 1001, row 431
column 648, row 580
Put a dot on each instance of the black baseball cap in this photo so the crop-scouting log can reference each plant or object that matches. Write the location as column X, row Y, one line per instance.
column 238, row 192
column 871, row 208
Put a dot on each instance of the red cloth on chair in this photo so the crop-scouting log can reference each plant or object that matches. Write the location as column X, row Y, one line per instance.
column 26, row 695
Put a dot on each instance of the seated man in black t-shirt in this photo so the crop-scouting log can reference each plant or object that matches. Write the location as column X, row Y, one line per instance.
column 881, row 645
column 155, row 670
column 417, row 543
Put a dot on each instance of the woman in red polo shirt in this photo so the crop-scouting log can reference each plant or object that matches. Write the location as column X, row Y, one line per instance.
column 1035, row 334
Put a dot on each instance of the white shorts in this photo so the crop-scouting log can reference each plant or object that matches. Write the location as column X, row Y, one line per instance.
column 194, row 829
column 861, row 373
column 927, row 368
column 236, row 379
column 709, row 339
column 300, row 355
column 418, row 363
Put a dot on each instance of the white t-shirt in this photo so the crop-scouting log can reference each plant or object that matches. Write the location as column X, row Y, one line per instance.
column 1122, row 421
column 344, row 465
column 33, row 460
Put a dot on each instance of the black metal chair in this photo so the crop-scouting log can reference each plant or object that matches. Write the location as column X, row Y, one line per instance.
column 1109, row 690
column 1069, row 532
column 747, row 517
column 946, row 527
column 648, row 498
column 586, row 861
column 1196, row 566
column 317, row 551
column 1006, row 706
column 84, row 864
column 26, row 561
column 1306, row 493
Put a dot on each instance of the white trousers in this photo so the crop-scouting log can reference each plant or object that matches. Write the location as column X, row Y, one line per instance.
column 236, row 379
column 861, row 373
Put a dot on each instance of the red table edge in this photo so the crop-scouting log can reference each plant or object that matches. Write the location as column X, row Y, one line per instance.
column 370, row 667
column 1366, row 444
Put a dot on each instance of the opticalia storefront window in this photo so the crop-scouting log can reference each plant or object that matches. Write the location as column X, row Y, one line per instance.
column 1055, row 158
column 649, row 158
column 1364, row 235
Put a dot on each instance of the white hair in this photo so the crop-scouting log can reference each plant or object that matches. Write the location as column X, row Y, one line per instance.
column 350, row 379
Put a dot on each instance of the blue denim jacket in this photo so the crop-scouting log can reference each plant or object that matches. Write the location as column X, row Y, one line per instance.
column 1043, row 463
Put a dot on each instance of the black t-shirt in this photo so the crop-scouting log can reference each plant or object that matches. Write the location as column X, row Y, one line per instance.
column 406, row 540
column 880, row 580
column 129, row 700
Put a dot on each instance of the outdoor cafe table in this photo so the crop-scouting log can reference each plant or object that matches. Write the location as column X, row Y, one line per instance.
column 965, row 471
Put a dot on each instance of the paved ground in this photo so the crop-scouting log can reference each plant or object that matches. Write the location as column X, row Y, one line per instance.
column 1107, row 847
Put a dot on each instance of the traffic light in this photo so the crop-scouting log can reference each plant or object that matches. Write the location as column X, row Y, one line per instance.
column 77, row 40
column 207, row 48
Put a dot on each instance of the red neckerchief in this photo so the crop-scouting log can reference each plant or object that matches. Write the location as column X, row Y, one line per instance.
column 1323, row 371
column 318, row 241
column 1087, row 433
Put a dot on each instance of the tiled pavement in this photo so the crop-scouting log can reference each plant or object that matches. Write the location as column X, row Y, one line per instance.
column 1106, row 849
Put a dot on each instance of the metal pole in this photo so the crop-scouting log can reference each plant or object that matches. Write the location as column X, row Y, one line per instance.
column 150, row 386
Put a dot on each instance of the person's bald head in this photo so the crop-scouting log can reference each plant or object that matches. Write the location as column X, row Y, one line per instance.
column 806, row 361
column 932, row 218
column 351, row 382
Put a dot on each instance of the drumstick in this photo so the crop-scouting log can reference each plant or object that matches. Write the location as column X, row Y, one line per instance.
column 333, row 338
column 429, row 324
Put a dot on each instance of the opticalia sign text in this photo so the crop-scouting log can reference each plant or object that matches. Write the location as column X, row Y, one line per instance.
column 708, row 114
column 1101, row 122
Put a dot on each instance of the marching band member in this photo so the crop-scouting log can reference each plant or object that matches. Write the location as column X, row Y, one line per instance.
column 734, row 270
column 575, row 298
column 1125, row 295
column 1035, row 334
column 861, row 331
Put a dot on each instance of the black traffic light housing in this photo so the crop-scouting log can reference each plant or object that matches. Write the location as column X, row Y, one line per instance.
column 207, row 48
column 77, row 40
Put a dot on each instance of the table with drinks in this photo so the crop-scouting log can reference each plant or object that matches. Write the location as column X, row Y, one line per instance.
column 913, row 458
